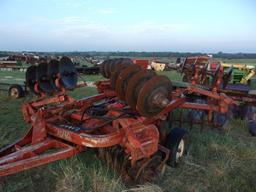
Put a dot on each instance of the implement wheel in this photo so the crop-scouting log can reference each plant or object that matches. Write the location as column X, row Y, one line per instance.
column 252, row 127
column 176, row 142
column 16, row 91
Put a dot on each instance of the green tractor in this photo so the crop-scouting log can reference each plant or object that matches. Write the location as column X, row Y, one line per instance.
column 242, row 74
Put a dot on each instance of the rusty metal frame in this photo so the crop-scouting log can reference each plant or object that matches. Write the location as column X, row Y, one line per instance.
column 16, row 158
column 138, row 135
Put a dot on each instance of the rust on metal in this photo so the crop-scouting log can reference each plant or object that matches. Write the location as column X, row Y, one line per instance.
column 134, row 86
column 123, row 79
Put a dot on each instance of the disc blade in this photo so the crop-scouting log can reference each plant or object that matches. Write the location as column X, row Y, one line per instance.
column 111, row 65
column 123, row 79
column 31, row 79
column 68, row 73
column 126, row 61
column 43, row 78
column 53, row 70
column 102, row 72
column 135, row 84
column 146, row 104
column 118, row 68
column 107, row 65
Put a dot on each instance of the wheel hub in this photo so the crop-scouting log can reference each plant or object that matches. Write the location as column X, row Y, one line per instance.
column 180, row 150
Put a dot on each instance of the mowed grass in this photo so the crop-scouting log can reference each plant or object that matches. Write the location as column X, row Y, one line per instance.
column 12, row 77
column 214, row 161
column 240, row 61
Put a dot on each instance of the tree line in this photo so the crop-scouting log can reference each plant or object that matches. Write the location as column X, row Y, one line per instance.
column 139, row 54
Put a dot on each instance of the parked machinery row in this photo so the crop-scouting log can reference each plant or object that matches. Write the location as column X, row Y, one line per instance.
column 237, row 81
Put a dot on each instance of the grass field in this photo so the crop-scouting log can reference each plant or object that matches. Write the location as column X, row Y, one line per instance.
column 240, row 61
column 214, row 162
column 12, row 77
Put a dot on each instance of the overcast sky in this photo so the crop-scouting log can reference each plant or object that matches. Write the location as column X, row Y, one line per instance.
column 128, row 25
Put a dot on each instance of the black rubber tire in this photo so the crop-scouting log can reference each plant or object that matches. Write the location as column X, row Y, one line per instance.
column 249, row 112
column 252, row 127
column 19, row 91
column 172, row 142
column 221, row 120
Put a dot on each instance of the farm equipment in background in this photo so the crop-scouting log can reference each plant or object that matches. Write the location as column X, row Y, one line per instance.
column 129, row 123
column 7, row 64
column 94, row 70
column 28, row 58
column 201, row 69
column 236, row 81
column 144, row 63
column 158, row 66
column 151, row 64
column 90, row 67
column 242, row 74
column 196, row 69
column 15, row 91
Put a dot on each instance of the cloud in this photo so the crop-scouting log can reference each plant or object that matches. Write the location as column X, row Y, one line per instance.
column 106, row 11
column 158, row 29
column 67, row 21
column 84, row 34
column 81, row 33
column 71, row 3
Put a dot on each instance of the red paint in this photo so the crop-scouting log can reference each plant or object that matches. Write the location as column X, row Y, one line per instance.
column 144, row 63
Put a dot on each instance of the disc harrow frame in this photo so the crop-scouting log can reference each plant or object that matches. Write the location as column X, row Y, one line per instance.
column 62, row 126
